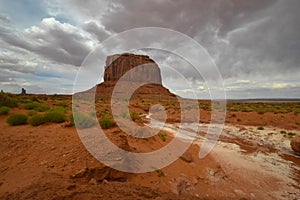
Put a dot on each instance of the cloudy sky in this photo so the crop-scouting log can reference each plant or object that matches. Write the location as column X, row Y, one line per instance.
column 254, row 43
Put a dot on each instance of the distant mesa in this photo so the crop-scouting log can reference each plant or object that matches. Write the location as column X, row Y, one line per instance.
column 117, row 65
column 138, row 68
column 23, row 92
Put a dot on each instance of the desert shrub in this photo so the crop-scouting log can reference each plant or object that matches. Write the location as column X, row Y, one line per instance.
column 31, row 113
column 239, row 120
column 62, row 104
column 36, row 106
column 8, row 101
column 55, row 116
column 283, row 132
column 233, row 115
column 135, row 116
column 37, row 120
column 260, row 128
column 16, row 119
column 105, row 122
column 162, row 136
column 4, row 110
column 59, row 109
column 82, row 121
column 291, row 134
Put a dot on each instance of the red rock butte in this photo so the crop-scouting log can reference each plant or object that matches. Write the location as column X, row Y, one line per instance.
column 140, row 68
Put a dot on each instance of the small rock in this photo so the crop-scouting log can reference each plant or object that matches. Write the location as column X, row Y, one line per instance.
column 52, row 148
column 80, row 174
column 187, row 157
column 211, row 172
column 295, row 144
column 105, row 181
column 93, row 181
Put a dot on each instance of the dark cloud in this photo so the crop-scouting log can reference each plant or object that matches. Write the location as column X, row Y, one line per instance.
column 62, row 43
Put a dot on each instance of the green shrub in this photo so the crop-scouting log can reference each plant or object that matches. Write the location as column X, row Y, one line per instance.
column 105, row 122
column 260, row 128
column 36, row 106
column 283, row 132
column 82, row 121
column 4, row 110
column 291, row 134
column 5, row 100
column 16, row 119
column 31, row 113
column 162, row 136
column 62, row 104
column 37, row 120
column 135, row 116
column 55, row 116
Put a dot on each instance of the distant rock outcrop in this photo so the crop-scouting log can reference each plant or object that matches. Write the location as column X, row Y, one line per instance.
column 117, row 65
column 23, row 92
column 142, row 69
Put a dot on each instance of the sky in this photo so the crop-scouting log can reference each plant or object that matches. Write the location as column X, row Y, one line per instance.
column 254, row 44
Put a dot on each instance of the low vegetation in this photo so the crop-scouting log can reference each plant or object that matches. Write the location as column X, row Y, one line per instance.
column 16, row 119
column 55, row 116
column 37, row 120
column 7, row 100
column 82, row 120
column 4, row 110
column 105, row 122
column 36, row 106
column 162, row 136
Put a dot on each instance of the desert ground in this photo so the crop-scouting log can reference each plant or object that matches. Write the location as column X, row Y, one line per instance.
column 44, row 158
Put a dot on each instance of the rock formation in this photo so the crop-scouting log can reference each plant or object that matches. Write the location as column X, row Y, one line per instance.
column 140, row 68
column 117, row 65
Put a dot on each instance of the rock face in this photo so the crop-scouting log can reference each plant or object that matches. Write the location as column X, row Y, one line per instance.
column 145, row 68
column 295, row 144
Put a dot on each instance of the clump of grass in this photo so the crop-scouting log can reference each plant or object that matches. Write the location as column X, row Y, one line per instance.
column 283, row 132
column 162, row 136
column 31, row 113
column 239, row 120
column 81, row 120
column 62, row 104
column 36, row 106
column 291, row 134
column 8, row 101
column 55, row 116
column 233, row 115
column 135, row 116
column 16, row 119
column 37, row 120
column 260, row 128
column 105, row 122
column 4, row 110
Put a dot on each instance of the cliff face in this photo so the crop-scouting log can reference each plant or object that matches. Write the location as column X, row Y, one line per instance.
column 117, row 65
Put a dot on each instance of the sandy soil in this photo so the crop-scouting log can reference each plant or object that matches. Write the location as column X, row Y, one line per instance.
column 50, row 162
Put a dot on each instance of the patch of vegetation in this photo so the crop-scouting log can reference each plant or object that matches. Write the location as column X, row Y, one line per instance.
column 31, row 113
column 291, row 134
column 283, row 132
column 55, row 116
column 162, row 136
column 239, row 120
column 37, row 120
column 6, row 100
column 36, row 106
column 233, row 115
column 4, row 110
column 62, row 104
column 16, row 119
column 260, row 128
column 105, row 122
column 135, row 116
column 82, row 121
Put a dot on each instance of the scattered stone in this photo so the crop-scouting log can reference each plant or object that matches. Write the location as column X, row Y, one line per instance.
column 105, row 181
column 187, row 157
column 93, row 181
column 295, row 144
column 52, row 148
column 80, row 174
column 211, row 172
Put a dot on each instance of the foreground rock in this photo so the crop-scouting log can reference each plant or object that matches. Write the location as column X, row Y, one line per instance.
column 295, row 144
